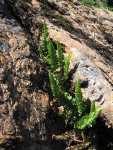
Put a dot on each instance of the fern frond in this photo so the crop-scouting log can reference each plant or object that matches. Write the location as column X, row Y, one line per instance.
column 60, row 55
column 52, row 56
column 44, row 40
column 92, row 109
column 54, row 85
column 64, row 98
column 46, row 59
column 79, row 98
column 66, row 66
column 44, row 35
column 56, row 89
column 74, row 107
column 88, row 120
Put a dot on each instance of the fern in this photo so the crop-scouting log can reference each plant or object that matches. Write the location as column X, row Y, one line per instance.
column 56, row 89
column 88, row 120
column 60, row 55
column 44, row 41
column 52, row 56
column 73, row 105
column 66, row 67
column 58, row 75
column 92, row 109
column 54, row 85
column 44, row 37
column 79, row 98
column 63, row 97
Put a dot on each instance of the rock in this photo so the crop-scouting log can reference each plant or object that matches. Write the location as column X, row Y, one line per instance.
column 24, row 100
column 99, row 89
column 86, row 32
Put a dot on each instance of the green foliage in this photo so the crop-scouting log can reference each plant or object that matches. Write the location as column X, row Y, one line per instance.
column 84, row 120
column 92, row 109
column 79, row 98
column 62, row 96
column 54, row 86
column 44, row 41
column 105, row 3
column 97, row 3
column 73, row 104
column 60, row 55
column 88, row 120
column 52, row 57
column 66, row 66
column 58, row 74
column 63, row 64
column 90, row 3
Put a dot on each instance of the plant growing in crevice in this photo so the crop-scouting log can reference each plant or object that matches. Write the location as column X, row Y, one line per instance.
column 43, row 42
column 74, row 107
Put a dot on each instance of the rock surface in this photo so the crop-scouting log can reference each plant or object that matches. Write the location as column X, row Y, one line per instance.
column 24, row 99
column 85, row 32
column 20, row 97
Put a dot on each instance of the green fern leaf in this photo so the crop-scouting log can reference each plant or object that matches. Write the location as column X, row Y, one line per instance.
column 88, row 120
column 64, row 98
column 54, row 85
column 58, row 74
column 79, row 98
column 56, row 88
column 92, row 109
column 60, row 55
column 52, row 56
column 66, row 66
column 44, row 40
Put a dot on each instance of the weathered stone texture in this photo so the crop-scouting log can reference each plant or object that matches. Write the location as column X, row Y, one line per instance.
column 23, row 104
column 85, row 32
